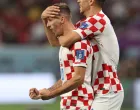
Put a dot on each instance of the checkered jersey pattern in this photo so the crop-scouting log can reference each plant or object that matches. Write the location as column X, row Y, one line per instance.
column 78, row 55
column 107, row 80
column 105, row 77
column 99, row 30
column 92, row 26
column 69, row 103
column 84, row 46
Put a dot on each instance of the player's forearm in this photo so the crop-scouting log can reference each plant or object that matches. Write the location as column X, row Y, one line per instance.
column 45, row 93
column 66, row 87
column 69, row 85
column 56, row 85
column 69, row 39
column 50, row 35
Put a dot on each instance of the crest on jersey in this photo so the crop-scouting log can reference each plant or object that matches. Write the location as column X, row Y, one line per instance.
column 80, row 54
column 84, row 25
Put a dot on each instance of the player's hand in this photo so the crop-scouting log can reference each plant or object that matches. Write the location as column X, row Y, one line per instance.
column 45, row 94
column 34, row 94
column 50, row 11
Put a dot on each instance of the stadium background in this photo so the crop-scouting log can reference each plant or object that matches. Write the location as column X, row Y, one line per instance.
column 25, row 53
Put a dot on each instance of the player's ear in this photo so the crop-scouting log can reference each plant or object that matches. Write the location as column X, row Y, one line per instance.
column 62, row 19
column 91, row 2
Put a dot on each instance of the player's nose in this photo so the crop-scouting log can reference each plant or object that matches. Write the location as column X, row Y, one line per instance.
column 48, row 24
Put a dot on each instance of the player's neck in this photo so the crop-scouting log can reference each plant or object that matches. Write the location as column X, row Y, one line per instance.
column 93, row 11
column 68, row 27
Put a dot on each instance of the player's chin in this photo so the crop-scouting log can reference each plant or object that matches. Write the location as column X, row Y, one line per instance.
column 81, row 11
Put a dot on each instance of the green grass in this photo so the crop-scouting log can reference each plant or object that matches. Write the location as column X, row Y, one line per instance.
column 30, row 107
column 54, row 106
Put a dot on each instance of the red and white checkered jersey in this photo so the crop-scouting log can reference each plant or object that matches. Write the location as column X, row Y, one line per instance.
column 99, row 30
column 80, row 54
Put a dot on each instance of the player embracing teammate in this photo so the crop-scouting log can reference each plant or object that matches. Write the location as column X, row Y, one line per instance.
column 100, row 35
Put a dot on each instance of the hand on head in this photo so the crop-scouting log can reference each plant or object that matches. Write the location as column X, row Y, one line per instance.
column 50, row 11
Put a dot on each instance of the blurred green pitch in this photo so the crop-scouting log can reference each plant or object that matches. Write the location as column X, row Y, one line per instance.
column 54, row 106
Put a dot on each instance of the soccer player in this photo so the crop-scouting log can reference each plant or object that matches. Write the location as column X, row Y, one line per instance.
column 75, row 65
column 97, row 27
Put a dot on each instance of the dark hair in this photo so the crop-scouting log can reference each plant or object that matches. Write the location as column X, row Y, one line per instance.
column 100, row 2
column 64, row 8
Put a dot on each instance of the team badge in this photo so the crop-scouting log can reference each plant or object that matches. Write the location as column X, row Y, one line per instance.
column 84, row 25
column 80, row 54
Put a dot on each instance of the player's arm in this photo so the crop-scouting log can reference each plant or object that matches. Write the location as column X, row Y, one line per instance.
column 69, row 39
column 87, row 29
column 35, row 94
column 69, row 85
column 56, row 85
column 80, row 63
column 51, row 11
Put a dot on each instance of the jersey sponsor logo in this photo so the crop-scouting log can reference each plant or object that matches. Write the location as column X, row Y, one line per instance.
column 80, row 54
column 84, row 25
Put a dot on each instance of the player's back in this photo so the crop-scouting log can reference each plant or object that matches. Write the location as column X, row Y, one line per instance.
column 106, row 53
column 99, row 30
column 108, row 42
column 107, row 87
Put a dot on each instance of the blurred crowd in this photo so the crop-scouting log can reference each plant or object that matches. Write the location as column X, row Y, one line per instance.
column 20, row 23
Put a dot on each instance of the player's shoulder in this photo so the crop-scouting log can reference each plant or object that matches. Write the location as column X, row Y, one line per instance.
column 79, row 22
column 82, row 44
column 99, row 17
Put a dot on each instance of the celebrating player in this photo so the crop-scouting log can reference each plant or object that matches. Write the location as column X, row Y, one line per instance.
column 75, row 65
column 97, row 27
